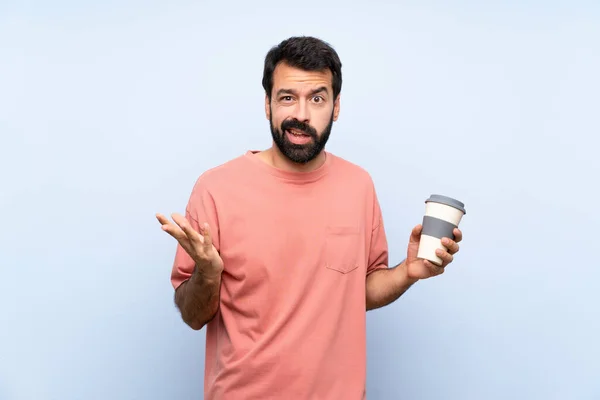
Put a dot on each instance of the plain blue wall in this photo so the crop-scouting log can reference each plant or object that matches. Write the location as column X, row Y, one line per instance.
column 109, row 111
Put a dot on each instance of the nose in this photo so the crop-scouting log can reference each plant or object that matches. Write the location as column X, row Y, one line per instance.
column 302, row 112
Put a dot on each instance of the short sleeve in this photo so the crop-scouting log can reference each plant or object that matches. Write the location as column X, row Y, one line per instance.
column 201, row 208
column 378, row 250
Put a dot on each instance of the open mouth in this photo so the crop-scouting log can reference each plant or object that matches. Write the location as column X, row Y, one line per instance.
column 297, row 133
column 298, row 137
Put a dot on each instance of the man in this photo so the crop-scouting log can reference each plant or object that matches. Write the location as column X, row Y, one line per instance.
column 282, row 251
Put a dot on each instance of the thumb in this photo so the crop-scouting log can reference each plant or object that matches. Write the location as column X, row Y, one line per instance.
column 415, row 235
column 413, row 243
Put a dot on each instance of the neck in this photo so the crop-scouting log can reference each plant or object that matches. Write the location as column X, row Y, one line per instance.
column 275, row 158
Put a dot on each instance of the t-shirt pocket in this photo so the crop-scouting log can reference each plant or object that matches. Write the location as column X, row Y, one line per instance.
column 342, row 248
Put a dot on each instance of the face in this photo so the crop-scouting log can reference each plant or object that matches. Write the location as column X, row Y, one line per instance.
column 301, row 112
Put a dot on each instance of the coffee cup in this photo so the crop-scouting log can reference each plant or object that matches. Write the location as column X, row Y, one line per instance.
column 442, row 215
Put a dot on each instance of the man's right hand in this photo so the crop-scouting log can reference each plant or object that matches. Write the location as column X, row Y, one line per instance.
column 199, row 246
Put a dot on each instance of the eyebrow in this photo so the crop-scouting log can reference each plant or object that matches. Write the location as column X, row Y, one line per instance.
column 293, row 92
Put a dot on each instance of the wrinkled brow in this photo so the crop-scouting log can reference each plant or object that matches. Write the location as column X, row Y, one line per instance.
column 282, row 92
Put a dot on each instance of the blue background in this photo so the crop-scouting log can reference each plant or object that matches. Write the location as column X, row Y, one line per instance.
column 109, row 111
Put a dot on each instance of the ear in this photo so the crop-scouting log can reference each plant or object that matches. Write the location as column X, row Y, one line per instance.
column 267, row 108
column 336, row 108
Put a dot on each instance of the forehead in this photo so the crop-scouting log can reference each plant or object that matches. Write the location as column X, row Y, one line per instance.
column 287, row 77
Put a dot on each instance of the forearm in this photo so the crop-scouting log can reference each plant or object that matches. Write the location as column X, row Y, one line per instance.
column 198, row 298
column 386, row 286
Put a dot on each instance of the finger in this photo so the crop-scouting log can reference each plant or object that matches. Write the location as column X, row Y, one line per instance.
column 206, row 235
column 457, row 235
column 433, row 269
column 175, row 231
column 445, row 256
column 185, row 226
column 169, row 227
column 162, row 219
column 415, row 234
column 451, row 245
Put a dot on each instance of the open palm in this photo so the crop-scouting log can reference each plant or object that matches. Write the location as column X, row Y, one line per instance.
column 198, row 245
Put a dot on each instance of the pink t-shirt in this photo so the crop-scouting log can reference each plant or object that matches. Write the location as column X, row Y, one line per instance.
column 297, row 248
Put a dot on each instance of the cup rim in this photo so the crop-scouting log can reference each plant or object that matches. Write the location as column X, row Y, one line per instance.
column 449, row 201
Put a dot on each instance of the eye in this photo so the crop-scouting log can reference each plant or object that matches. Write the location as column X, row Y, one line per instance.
column 285, row 98
column 318, row 99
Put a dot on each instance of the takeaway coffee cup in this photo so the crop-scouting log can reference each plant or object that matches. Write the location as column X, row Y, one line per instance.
column 442, row 215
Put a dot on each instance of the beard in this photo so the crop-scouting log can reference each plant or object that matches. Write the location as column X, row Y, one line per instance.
column 300, row 153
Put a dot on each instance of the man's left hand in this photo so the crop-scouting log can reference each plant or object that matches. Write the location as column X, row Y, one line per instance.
column 417, row 268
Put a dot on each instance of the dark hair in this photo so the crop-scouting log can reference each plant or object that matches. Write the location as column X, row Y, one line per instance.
column 307, row 53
